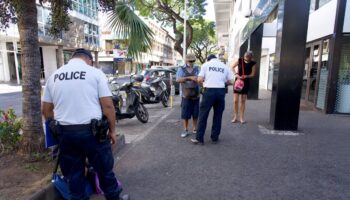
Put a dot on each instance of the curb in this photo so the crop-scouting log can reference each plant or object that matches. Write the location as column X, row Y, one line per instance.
column 50, row 192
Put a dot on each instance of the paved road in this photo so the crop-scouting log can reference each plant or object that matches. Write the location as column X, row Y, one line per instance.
column 249, row 163
column 13, row 100
column 135, row 131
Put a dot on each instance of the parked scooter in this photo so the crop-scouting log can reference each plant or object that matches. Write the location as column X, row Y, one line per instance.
column 134, row 105
column 155, row 91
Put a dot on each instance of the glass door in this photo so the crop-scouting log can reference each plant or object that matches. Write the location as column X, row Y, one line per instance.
column 313, row 72
column 305, row 76
column 270, row 75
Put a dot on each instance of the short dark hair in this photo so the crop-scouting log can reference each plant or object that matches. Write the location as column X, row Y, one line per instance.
column 78, row 53
column 211, row 56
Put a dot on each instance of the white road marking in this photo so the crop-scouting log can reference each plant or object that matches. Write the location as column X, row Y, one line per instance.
column 266, row 131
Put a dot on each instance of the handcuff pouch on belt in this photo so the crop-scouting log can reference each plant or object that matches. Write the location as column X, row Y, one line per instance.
column 100, row 129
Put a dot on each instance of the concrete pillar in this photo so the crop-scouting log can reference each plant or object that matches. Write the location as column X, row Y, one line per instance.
column 49, row 60
column 60, row 56
column 96, row 59
column 292, row 23
column 255, row 46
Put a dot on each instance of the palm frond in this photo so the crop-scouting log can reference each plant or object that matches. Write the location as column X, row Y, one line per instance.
column 125, row 22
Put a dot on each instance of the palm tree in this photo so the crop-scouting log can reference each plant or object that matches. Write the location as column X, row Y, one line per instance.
column 31, row 87
column 123, row 19
column 125, row 22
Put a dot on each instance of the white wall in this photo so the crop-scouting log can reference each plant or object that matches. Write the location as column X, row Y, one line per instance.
column 268, row 47
column 321, row 22
column 270, row 29
column 4, row 67
column 264, row 69
column 50, row 61
column 269, row 43
column 346, row 28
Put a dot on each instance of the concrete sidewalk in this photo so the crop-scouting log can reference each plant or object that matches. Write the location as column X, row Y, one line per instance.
column 9, row 88
column 247, row 164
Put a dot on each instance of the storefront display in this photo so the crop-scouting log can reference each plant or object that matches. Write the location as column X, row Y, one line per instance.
column 343, row 88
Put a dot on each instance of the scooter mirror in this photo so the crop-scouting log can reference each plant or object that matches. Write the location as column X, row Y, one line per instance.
column 114, row 82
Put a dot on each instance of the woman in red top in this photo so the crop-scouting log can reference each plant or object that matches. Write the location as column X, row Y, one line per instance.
column 245, row 74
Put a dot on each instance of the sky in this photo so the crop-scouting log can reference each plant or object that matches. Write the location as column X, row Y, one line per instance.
column 210, row 14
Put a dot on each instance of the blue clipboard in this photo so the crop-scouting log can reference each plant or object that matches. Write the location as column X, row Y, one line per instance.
column 50, row 141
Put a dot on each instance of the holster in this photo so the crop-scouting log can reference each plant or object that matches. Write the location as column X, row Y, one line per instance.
column 54, row 128
column 100, row 129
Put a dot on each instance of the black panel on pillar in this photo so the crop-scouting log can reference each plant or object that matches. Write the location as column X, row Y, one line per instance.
column 255, row 46
column 292, row 23
column 243, row 49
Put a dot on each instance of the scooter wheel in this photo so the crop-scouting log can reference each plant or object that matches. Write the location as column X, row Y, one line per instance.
column 141, row 113
column 165, row 100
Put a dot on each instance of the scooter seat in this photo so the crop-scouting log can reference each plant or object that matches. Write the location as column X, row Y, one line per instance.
column 144, row 85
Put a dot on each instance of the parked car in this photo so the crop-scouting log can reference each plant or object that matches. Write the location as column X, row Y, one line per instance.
column 174, row 68
column 150, row 74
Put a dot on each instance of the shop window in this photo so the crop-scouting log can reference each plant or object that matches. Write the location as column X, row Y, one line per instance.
column 271, row 69
column 343, row 87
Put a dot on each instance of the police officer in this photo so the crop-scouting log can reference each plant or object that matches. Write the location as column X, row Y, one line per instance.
column 213, row 76
column 74, row 95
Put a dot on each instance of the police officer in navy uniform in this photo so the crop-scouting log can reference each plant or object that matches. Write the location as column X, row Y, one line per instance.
column 213, row 76
column 75, row 95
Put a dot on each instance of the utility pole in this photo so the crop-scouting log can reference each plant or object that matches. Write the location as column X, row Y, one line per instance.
column 185, row 35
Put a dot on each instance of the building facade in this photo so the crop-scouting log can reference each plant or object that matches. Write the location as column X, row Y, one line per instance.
column 326, row 71
column 54, row 52
column 114, row 50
